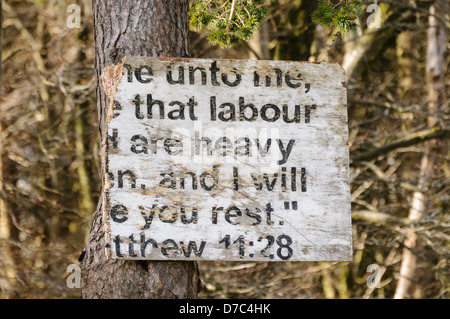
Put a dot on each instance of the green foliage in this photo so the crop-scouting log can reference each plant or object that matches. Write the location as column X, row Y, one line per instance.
column 231, row 21
column 228, row 21
column 340, row 15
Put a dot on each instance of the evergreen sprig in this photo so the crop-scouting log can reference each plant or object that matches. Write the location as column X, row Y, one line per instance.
column 229, row 21
column 337, row 14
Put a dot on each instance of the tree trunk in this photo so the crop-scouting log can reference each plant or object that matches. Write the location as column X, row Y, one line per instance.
column 260, row 43
column 409, row 281
column 133, row 28
column 369, row 45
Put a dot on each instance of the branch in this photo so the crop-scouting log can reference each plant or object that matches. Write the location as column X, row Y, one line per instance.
column 411, row 139
column 380, row 218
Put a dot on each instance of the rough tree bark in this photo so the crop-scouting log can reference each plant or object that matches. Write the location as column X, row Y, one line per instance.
column 133, row 28
column 408, row 285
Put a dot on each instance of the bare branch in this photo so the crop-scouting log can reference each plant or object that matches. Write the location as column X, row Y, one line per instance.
column 411, row 139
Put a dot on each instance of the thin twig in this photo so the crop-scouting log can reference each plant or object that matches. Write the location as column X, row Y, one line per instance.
column 231, row 13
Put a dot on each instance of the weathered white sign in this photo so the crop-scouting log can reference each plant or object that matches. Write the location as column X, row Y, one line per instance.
column 227, row 160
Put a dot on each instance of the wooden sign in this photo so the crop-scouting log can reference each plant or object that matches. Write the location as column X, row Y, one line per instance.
column 227, row 160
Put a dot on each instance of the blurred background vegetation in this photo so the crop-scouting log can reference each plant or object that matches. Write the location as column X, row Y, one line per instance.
column 49, row 149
